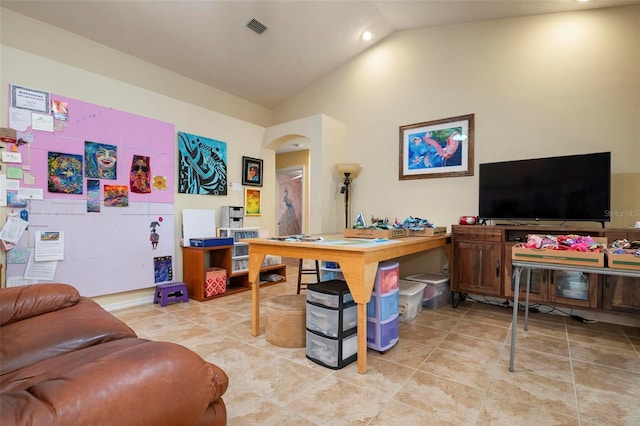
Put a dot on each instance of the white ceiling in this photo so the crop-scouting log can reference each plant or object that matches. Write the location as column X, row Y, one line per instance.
column 208, row 41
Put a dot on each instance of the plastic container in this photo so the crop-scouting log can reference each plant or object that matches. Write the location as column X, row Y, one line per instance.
column 332, row 353
column 410, row 299
column 333, row 294
column 327, row 320
column 381, row 336
column 387, row 277
column 436, row 292
column 385, row 306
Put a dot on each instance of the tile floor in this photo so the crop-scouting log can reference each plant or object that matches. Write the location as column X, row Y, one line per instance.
column 450, row 367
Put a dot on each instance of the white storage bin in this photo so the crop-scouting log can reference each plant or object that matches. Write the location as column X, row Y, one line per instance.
column 326, row 321
column 328, row 299
column 410, row 299
column 436, row 292
column 333, row 353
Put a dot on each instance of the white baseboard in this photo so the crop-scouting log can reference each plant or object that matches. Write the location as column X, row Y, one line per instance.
column 128, row 303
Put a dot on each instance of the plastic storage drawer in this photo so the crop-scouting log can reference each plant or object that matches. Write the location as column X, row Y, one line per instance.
column 327, row 320
column 332, row 353
column 384, row 306
column 387, row 277
column 382, row 335
column 333, row 294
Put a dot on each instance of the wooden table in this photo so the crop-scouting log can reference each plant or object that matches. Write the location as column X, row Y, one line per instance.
column 358, row 259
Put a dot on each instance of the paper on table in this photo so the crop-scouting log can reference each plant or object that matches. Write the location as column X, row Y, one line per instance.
column 40, row 270
column 13, row 229
column 49, row 245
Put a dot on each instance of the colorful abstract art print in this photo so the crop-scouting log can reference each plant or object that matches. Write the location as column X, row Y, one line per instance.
column 116, row 196
column 163, row 269
column 202, row 165
column 60, row 110
column 140, row 176
column 160, row 183
column 64, row 173
column 93, row 196
column 252, row 202
column 100, row 160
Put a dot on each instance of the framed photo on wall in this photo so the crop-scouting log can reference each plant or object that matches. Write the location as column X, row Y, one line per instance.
column 251, row 171
column 252, row 204
column 439, row 148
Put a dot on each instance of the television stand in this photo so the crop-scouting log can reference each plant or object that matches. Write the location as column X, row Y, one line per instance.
column 482, row 266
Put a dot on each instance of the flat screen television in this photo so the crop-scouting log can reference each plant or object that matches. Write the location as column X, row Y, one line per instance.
column 567, row 188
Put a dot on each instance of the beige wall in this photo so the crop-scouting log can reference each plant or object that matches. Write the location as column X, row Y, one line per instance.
column 539, row 86
column 38, row 56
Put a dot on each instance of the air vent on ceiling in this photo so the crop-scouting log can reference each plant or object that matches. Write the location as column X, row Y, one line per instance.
column 257, row 26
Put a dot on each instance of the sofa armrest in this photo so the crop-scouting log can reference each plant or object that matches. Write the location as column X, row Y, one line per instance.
column 123, row 382
column 19, row 303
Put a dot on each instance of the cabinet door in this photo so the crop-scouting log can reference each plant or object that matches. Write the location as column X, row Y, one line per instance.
column 573, row 288
column 477, row 268
column 621, row 294
column 539, row 281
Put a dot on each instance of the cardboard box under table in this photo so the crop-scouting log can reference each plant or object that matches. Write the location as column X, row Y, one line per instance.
column 215, row 281
column 561, row 257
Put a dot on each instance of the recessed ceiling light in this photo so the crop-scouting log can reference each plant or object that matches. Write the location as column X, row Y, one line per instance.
column 366, row 36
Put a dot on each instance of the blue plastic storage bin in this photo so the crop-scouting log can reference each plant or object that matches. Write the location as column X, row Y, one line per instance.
column 383, row 307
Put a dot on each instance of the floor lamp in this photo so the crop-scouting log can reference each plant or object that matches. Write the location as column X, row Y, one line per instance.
column 348, row 172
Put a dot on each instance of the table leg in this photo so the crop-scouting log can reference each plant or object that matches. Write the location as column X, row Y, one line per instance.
column 362, row 338
column 514, row 323
column 360, row 277
column 526, row 301
column 255, row 262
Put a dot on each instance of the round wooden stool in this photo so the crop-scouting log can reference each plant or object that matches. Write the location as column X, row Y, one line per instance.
column 286, row 321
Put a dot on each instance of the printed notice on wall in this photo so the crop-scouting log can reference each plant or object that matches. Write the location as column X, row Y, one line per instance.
column 42, row 271
column 49, row 246
column 32, row 99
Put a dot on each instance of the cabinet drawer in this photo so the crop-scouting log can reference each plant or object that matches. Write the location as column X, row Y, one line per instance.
column 477, row 233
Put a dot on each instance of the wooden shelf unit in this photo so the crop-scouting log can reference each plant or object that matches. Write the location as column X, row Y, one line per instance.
column 482, row 265
column 195, row 261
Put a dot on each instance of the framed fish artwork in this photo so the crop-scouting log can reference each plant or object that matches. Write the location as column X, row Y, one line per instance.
column 439, row 148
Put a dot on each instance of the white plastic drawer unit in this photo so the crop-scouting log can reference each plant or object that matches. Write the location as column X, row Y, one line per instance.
column 327, row 320
column 334, row 353
column 328, row 299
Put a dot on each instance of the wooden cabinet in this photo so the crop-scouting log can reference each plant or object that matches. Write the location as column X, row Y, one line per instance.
column 478, row 250
column 195, row 261
column 477, row 264
column 621, row 294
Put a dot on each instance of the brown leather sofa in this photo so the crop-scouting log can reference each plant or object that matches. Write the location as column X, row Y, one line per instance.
column 66, row 361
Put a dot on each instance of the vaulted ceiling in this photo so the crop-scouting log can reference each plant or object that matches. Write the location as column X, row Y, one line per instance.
column 209, row 41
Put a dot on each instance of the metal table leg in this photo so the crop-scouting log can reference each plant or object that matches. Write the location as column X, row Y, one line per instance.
column 514, row 324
